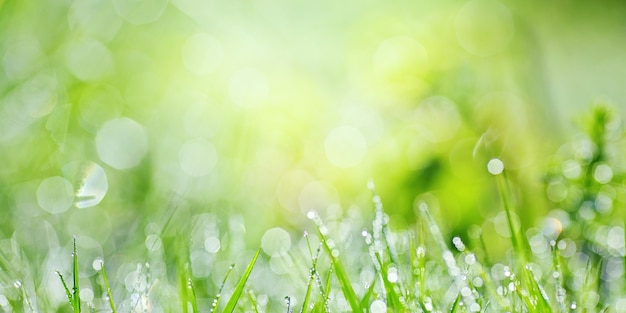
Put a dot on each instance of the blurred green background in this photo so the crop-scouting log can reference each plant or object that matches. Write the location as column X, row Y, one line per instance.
column 120, row 118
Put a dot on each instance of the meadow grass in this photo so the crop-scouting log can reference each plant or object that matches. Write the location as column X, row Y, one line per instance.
column 345, row 266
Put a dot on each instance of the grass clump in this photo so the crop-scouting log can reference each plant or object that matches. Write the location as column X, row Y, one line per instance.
column 573, row 262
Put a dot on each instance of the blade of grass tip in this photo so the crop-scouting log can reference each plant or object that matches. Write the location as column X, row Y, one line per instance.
column 288, row 301
column 502, row 188
column 558, row 278
column 309, row 288
column 67, row 290
column 192, row 296
column 326, row 291
column 216, row 301
column 539, row 294
column 380, row 226
column 455, row 305
column 340, row 273
column 75, row 288
column 24, row 295
column 253, row 301
column 419, row 264
column 312, row 273
column 448, row 257
column 232, row 302
column 393, row 300
column 108, row 287
column 370, row 291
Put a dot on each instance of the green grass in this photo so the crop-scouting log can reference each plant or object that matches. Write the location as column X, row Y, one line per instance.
column 360, row 266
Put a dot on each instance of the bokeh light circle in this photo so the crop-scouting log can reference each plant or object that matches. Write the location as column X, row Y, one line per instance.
column 495, row 166
column 276, row 241
column 122, row 143
column 55, row 194
column 88, row 59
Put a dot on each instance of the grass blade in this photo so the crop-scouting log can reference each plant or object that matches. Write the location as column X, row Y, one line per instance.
column 232, row 302
column 192, row 296
column 340, row 272
column 309, row 288
column 75, row 288
column 216, row 302
column 108, row 287
column 455, row 305
column 448, row 257
column 67, row 290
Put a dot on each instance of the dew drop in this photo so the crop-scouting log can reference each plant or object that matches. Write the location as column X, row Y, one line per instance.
column 495, row 166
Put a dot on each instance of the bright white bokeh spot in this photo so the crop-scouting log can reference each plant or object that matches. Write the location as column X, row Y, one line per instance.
column 484, row 27
column 202, row 54
column 248, row 88
column 97, row 264
column 212, row 244
column 55, row 194
column 88, row 59
column 345, row 146
column 86, row 294
column 122, row 143
column 197, row 157
column 140, row 12
column 378, row 306
column 93, row 188
column 392, row 275
column 495, row 166
column 276, row 241
column 602, row 173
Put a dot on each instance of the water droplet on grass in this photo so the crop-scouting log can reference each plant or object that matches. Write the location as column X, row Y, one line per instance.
column 97, row 264
column 495, row 166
